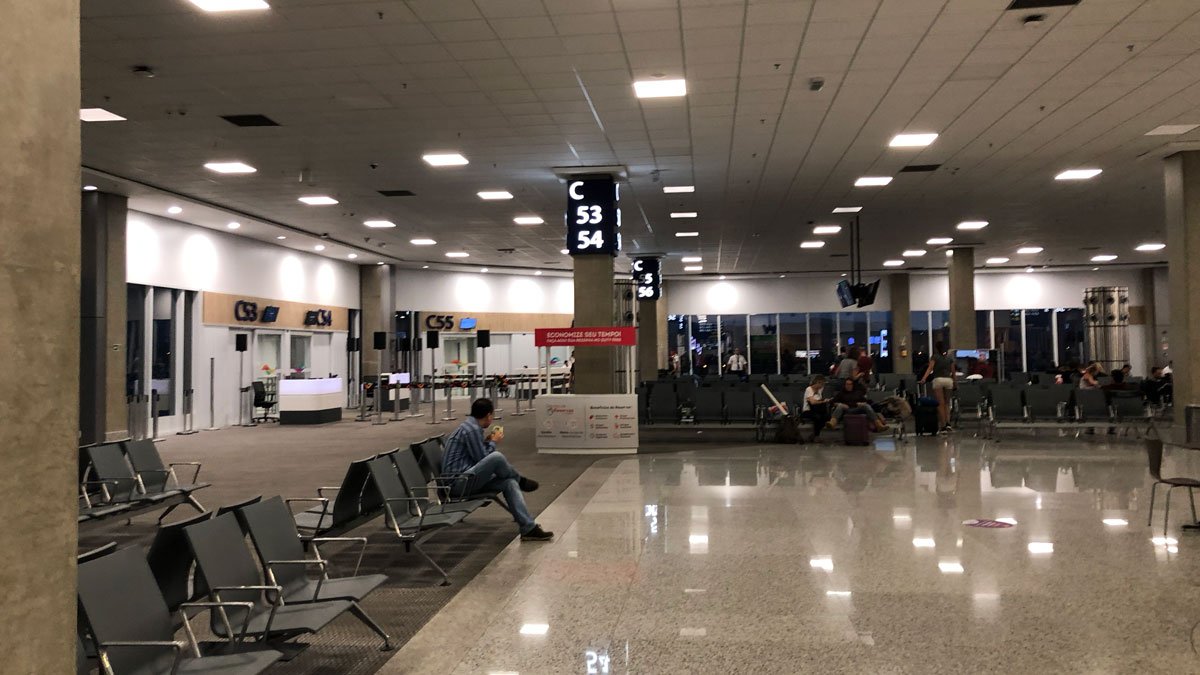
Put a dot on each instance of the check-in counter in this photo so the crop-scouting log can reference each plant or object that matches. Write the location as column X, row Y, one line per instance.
column 311, row 401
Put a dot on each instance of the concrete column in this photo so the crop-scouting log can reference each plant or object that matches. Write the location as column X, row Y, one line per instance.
column 103, row 411
column 661, row 336
column 962, row 299
column 594, row 307
column 1183, row 247
column 901, row 324
column 39, row 334
column 647, row 338
column 1149, row 323
column 375, row 287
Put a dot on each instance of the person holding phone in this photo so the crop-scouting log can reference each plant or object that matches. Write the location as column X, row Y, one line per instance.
column 473, row 467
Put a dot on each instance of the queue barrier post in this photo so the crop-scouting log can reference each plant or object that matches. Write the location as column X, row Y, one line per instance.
column 362, row 403
column 380, row 393
column 415, row 399
column 212, row 394
column 154, row 412
column 395, row 402
column 449, row 399
column 188, row 416
column 517, row 393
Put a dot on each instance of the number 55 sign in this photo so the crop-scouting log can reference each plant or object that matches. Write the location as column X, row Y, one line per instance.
column 647, row 274
column 593, row 218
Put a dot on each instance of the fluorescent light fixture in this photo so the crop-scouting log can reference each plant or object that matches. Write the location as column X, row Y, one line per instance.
column 90, row 188
column 528, row 220
column 972, row 224
column 847, row 209
column 457, row 254
column 893, row 263
column 1115, row 522
column 1171, row 129
column 230, row 167
column 537, row 273
column 1151, row 247
column 678, row 189
column 924, row 542
column 812, row 244
column 174, row 210
column 950, row 567
column 281, row 237
column 913, row 253
column 659, row 88
column 837, row 594
column 693, row 268
column 1000, row 260
column 722, row 277
column 98, row 115
column 823, row 562
column 691, row 259
column 483, row 270
column 535, row 629
column 352, row 256
column 912, row 140
column 1104, row 258
column 938, row 241
column 378, row 224
column 1027, row 250
column 422, row 242
column 563, row 251
column 319, row 247
column 319, row 200
column 1078, row 174
column 233, row 225
column 230, row 5
column 445, row 159
column 827, row 229
column 687, row 234
column 1041, row 547
column 683, row 214
column 872, row 181
column 493, row 195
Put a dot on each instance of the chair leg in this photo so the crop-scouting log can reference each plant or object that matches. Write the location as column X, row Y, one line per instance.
column 168, row 512
column 1192, row 499
column 195, row 504
column 1167, row 510
column 445, row 577
column 362, row 615
column 1150, row 515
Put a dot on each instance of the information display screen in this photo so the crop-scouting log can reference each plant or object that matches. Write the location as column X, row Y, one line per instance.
column 593, row 217
column 647, row 274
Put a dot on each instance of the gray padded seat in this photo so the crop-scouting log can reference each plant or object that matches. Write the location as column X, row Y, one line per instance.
column 710, row 406
column 1044, row 405
column 663, row 405
column 1006, row 404
column 121, row 603
column 108, row 465
column 406, row 465
column 411, row 529
column 346, row 503
column 155, row 473
column 739, row 406
column 1092, row 405
column 1128, row 407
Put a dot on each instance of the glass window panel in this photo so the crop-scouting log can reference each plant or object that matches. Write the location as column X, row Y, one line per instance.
column 880, row 341
column 266, row 349
column 793, row 342
column 764, row 354
column 919, row 347
column 677, row 336
column 704, row 345
column 1008, row 339
column 299, row 359
column 1039, row 340
column 733, row 336
column 1070, row 336
column 940, row 329
column 853, row 327
column 823, row 340
column 983, row 330
column 162, row 362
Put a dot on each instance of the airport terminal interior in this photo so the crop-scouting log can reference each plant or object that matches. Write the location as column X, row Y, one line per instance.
column 599, row 336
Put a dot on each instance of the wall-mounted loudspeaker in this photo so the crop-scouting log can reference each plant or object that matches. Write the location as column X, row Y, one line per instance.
column 484, row 338
column 241, row 342
column 431, row 339
column 380, row 340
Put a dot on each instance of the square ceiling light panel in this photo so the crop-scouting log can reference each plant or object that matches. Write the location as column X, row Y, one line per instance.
column 98, row 115
column 230, row 5
column 660, row 88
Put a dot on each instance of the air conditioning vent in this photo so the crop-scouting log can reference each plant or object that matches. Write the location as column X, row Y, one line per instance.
column 920, row 168
column 396, row 193
column 1041, row 4
column 250, row 120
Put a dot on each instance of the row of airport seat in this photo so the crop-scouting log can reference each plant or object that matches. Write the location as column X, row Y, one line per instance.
column 127, row 478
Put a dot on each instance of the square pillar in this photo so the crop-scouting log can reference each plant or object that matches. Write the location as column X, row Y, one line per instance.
column 962, row 299
column 1182, row 187
column 901, row 323
column 594, row 306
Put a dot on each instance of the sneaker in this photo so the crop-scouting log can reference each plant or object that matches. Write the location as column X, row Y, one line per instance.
column 537, row 534
column 527, row 484
column 947, row 429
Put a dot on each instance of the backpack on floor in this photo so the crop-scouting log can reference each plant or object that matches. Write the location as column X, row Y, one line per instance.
column 856, row 429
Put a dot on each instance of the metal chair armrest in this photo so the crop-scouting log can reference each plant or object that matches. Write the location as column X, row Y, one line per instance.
column 323, row 501
column 103, row 490
column 387, row 505
column 176, row 645
column 195, row 475
column 278, row 590
column 321, row 540
column 213, row 606
column 321, row 490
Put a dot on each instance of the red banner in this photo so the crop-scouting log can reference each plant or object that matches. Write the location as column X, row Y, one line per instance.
column 599, row 336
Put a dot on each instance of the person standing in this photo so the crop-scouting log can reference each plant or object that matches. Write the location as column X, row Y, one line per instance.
column 673, row 363
column 847, row 369
column 866, row 369
column 942, row 369
column 736, row 365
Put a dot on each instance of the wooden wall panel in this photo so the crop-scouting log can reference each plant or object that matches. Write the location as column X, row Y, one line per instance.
column 218, row 310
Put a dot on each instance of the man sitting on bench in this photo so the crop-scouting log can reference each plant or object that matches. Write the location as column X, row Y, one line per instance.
column 469, row 450
column 852, row 399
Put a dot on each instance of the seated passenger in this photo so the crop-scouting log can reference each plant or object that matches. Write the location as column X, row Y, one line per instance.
column 853, row 398
column 468, row 450
column 816, row 407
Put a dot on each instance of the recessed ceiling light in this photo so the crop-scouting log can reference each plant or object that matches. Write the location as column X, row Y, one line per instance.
column 1151, row 247
column 827, row 229
column 319, row 247
column 230, row 167
column 1029, row 270
column 379, row 263
column 537, row 273
column 722, row 277
column 352, row 256
column 98, row 115
column 872, row 181
column 912, row 140
column 687, row 234
column 949, row 253
column 997, row 261
column 1103, row 258
column 693, row 268
column 660, row 88
column 319, row 200
column 1028, row 250
column 972, row 224
column 281, row 237
column 676, row 189
column 445, row 159
column 938, row 241
column 847, row 209
column 1171, row 129
column 913, row 253
column 233, row 225
column 893, row 263
column 691, row 259
column 782, row 276
column 90, row 188
column 457, row 254
column 494, row 195
column 528, row 220
column 563, row 251
column 378, row 224
column 1078, row 174
column 422, row 242
column 812, row 244
column 424, row 267
column 1095, row 269
column 175, row 210
column 683, row 214
column 229, row 5
column 483, row 270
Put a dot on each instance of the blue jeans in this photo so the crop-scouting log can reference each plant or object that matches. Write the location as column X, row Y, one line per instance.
column 494, row 474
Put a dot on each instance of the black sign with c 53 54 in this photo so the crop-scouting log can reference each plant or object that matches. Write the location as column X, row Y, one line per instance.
column 593, row 216
column 647, row 274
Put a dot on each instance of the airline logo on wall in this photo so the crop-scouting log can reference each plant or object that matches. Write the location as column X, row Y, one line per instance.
column 246, row 311
column 446, row 322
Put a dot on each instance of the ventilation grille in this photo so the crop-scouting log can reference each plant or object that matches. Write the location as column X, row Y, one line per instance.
column 1041, row 4
column 396, row 193
column 250, row 120
column 920, row 168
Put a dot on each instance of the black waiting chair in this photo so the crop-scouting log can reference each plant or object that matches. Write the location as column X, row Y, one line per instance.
column 133, row 630
column 109, row 465
column 346, row 509
column 429, row 456
column 1154, row 452
column 281, row 551
column 414, row 481
column 158, row 476
column 171, row 562
column 229, row 572
column 263, row 401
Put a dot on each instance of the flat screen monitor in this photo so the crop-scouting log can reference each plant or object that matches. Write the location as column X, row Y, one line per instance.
column 845, row 293
column 270, row 314
column 981, row 362
column 399, row 378
column 865, row 293
column 467, row 323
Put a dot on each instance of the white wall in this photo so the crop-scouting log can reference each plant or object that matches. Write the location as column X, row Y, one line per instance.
column 426, row 290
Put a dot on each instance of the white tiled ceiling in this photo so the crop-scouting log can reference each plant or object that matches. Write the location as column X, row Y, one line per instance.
column 521, row 86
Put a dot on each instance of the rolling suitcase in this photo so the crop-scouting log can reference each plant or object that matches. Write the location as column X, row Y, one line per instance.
column 925, row 418
column 856, row 429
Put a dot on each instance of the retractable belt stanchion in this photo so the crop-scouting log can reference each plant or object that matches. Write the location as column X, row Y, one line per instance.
column 449, row 396
column 381, row 388
column 154, row 412
column 395, row 402
column 433, row 418
column 362, row 404
column 212, row 394
column 415, row 399
column 517, row 393
column 188, row 415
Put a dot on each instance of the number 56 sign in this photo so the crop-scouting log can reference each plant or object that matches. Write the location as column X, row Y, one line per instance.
column 593, row 217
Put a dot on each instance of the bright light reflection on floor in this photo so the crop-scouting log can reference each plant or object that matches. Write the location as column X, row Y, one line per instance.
column 1165, row 541
column 535, row 629
column 924, row 542
column 821, row 562
column 1010, row 521
column 1115, row 522
column 1041, row 547
column 837, row 594
column 950, row 567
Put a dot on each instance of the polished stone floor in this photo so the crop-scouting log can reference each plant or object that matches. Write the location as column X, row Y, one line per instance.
column 837, row 559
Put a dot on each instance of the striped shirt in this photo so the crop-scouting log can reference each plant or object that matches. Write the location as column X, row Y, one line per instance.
column 465, row 447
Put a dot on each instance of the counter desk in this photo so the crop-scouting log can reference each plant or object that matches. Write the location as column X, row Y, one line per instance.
column 311, row 401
